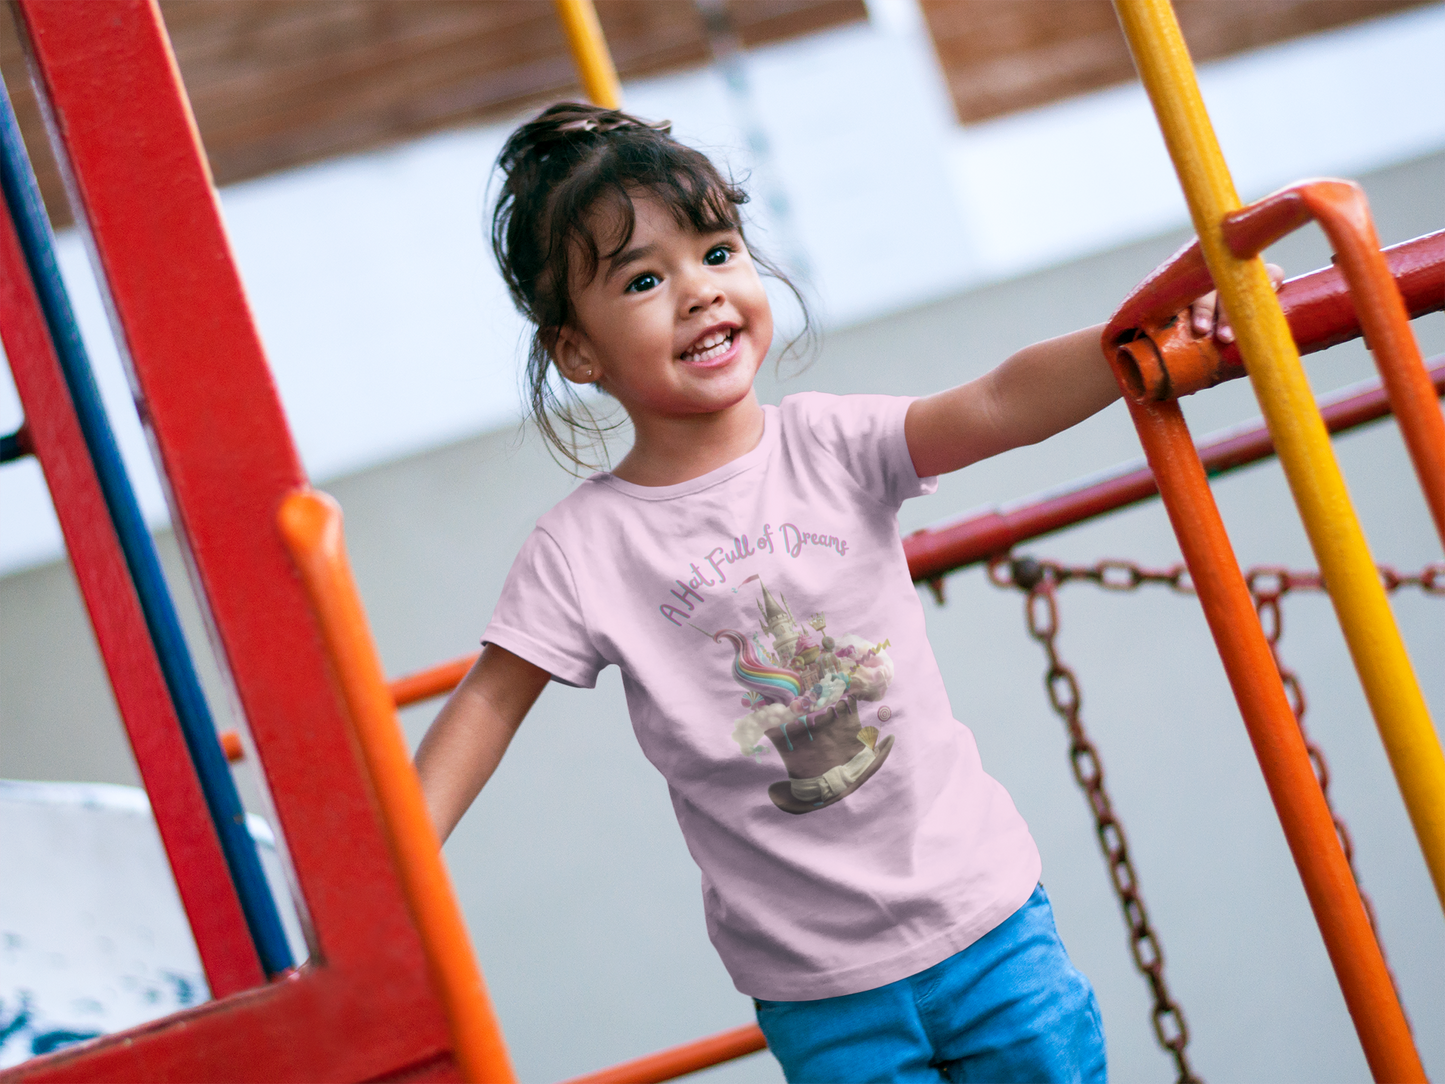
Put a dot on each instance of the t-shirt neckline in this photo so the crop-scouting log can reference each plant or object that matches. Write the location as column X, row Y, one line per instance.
column 716, row 476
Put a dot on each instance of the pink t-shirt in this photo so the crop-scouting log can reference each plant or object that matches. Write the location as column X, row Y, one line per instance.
column 777, row 672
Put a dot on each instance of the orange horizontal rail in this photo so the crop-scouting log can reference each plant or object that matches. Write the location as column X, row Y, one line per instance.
column 425, row 684
column 681, row 1060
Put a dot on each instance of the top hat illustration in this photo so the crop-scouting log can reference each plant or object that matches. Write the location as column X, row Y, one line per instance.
column 827, row 759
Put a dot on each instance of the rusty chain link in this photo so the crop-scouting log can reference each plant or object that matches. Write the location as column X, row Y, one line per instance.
column 1267, row 586
column 1042, row 614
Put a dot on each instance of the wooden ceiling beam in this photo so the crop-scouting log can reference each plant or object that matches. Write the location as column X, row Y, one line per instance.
column 280, row 83
column 1001, row 56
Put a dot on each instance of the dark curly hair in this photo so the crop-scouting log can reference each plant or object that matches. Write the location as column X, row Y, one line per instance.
column 556, row 171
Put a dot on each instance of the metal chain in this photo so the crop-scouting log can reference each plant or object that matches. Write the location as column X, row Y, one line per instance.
column 1042, row 614
column 1267, row 586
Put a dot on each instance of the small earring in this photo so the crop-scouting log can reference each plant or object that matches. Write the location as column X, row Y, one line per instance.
column 587, row 374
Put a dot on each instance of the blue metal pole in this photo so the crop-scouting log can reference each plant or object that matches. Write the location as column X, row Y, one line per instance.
column 22, row 197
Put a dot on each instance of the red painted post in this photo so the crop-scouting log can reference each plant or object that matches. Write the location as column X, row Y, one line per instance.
column 364, row 1007
column 1278, row 744
column 1304, row 816
column 203, row 880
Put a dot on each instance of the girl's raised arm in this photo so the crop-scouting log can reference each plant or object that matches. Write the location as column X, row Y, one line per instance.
column 1042, row 390
column 1039, row 391
column 466, row 742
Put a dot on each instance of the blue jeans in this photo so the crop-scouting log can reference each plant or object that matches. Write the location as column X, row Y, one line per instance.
column 1009, row 1008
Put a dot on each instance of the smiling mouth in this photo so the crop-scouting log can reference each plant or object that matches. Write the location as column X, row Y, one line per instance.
column 712, row 346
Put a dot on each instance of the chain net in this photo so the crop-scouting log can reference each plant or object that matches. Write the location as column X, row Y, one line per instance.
column 1268, row 585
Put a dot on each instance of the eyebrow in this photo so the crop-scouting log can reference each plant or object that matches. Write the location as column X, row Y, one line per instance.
column 631, row 256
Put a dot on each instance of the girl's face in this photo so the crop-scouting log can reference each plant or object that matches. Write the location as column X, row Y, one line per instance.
column 675, row 325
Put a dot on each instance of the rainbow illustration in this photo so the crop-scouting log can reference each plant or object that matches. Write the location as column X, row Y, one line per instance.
column 779, row 686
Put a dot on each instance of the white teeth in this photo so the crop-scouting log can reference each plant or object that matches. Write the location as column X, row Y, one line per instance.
column 715, row 345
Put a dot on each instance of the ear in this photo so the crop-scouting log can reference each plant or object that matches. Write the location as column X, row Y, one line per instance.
column 574, row 357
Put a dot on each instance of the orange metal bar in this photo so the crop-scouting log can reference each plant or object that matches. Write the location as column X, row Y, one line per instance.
column 1343, row 213
column 231, row 746
column 1360, row 968
column 425, row 684
column 681, row 1060
column 310, row 524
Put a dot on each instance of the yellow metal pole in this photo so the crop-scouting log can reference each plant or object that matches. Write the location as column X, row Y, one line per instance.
column 589, row 50
column 1296, row 427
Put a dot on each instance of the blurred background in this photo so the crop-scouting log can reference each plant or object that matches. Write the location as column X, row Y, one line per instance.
column 949, row 180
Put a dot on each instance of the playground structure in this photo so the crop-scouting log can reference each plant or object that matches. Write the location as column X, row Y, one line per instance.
column 292, row 643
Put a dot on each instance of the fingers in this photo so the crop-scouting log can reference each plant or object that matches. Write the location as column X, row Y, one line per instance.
column 1202, row 313
column 1222, row 331
column 1207, row 316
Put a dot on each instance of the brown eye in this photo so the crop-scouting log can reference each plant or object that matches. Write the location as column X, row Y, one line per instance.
column 643, row 283
column 719, row 255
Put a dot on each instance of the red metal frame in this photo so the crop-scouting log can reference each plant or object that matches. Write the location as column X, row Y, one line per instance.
column 934, row 552
column 1278, row 743
column 1166, row 360
column 202, row 877
column 364, row 1008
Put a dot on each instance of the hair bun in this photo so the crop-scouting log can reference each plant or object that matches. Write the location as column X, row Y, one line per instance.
column 566, row 121
column 611, row 121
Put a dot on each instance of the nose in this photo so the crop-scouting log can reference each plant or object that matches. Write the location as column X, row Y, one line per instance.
column 701, row 292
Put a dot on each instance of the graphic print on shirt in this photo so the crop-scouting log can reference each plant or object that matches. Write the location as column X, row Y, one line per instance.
column 804, row 692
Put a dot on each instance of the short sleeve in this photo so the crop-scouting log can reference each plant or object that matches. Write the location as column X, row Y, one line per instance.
column 539, row 616
column 864, row 433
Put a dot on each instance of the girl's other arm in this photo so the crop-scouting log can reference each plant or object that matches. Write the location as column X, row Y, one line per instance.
column 466, row 742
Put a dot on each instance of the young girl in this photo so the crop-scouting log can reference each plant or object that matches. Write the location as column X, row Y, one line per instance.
column 864, row 880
